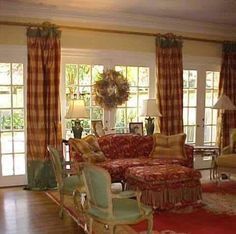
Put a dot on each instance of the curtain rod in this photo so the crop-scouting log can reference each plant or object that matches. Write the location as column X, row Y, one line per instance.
column 24, row 24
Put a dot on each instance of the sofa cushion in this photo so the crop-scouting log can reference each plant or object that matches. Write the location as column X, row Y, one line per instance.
column 168, row 146
column 89, row 148
column 119, row 146
column 117, row 167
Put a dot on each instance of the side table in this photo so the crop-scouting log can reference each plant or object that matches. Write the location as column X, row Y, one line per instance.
column 212, row 151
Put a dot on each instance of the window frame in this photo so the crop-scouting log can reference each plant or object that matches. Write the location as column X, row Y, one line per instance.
column 202, row 65
column 109, row 59
column 16, row 54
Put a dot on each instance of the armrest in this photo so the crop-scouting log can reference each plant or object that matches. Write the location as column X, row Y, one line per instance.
column 226, row 150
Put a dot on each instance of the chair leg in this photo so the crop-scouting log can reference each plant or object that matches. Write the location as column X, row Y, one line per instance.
column 90, row 225
column 112, row 229
column 150, row 224
column 61, row 205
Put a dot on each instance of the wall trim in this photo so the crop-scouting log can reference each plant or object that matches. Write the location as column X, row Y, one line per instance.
column 108, row 19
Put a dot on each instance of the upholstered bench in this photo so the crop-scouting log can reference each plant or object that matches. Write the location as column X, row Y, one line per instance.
column 165, row 186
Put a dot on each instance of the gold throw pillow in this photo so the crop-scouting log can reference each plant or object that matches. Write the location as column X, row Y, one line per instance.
column 168, row 146
column 89, row 148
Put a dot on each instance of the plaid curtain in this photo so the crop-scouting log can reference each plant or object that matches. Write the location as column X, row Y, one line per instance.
column 43, row 103
column 170, row 83
column 227, row 86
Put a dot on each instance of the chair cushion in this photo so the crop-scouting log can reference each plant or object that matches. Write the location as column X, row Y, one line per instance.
column 226, row 160
column 70, row 183
column 123, row 210
column 89, row 148
column 168, row 146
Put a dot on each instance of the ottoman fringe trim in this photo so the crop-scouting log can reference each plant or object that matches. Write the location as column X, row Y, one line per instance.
column 170, row 197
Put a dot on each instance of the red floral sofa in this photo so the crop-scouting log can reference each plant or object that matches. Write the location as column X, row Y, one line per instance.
column 164, row 182
column 128, row 150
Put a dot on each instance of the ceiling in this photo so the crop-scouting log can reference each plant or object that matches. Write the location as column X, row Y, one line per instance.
column 218, row 13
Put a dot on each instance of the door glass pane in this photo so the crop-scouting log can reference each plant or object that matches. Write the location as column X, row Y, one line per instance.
column 19, row 162
column 190, row 104
column 12, row 135
column 5, row 97
column 192, row 97
column 209, row 98
column 212, row 84
column 18, row 96
column 5, row 120
column 7, row 165
column 18, row 119
column 192, row 81
column 192, row 116
column 17, row 74
column 5, row 73
column 6, row 142
column 19, row 142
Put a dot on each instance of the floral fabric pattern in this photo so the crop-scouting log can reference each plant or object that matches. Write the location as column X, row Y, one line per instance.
column 164, row 186
column 129, row 150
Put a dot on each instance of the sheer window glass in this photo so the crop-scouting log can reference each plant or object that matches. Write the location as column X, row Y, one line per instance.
column 138, row 78
column 12, row 126
column 190, row 104
column 212, row 86
column 79, row 79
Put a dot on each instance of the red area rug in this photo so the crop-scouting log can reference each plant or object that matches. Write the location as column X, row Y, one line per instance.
column 217, row 214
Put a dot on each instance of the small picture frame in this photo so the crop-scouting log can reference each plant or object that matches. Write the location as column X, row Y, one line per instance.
column 97, row 127
column 136, row 128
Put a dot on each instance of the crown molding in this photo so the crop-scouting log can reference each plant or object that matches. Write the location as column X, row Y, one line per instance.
column 115, row 19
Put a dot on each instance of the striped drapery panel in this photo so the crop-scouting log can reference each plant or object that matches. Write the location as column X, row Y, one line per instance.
column 43, row 100
column 227, row 86
column 170, row 83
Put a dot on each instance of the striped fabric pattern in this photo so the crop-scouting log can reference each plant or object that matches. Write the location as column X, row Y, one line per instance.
column 227, row 86
column 170, row 83
column 43, row 101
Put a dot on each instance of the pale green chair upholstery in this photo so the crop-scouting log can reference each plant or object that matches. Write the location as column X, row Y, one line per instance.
column 66, row 184
column 226, row 162
column 108, row 208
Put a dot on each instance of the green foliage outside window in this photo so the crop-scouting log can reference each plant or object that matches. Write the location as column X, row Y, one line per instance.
column 18, row 121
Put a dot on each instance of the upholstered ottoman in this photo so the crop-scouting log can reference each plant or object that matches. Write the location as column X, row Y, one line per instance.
column 165, row 186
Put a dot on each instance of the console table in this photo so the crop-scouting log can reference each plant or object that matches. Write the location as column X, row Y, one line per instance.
column 204, row 151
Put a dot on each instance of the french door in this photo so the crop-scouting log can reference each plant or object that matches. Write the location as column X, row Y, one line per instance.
column 201, row 84
column 12, row 118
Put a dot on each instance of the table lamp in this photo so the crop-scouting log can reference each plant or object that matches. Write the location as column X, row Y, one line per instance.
column 77, row 111
column 222, row 104
column 150, row 110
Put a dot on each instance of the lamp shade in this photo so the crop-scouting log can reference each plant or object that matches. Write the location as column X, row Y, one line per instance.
column 224, row 103
column 77, row 110
column 150, row 108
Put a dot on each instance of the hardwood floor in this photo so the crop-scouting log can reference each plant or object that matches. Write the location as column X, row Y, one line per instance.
column 30, row 212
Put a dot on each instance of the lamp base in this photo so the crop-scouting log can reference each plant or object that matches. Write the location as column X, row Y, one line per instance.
column 149, row 125
column 77, row 128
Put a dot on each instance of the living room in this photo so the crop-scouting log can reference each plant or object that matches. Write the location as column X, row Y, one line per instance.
column 95, row 37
